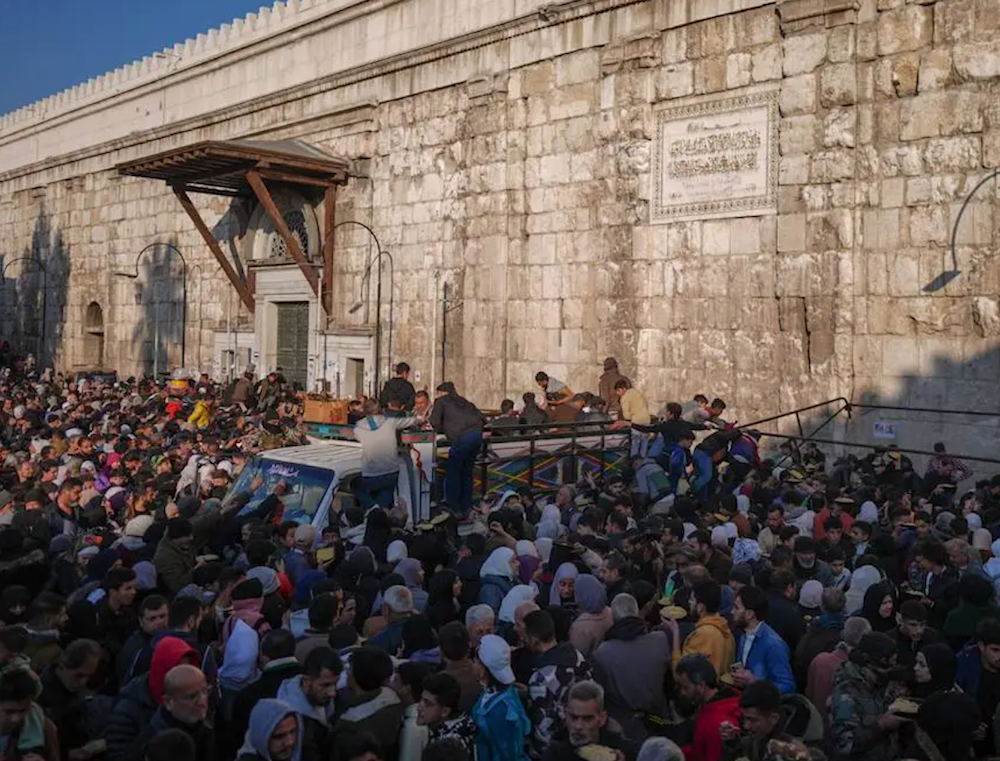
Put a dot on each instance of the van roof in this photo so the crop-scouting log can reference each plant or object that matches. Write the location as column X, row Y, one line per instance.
column 340, row 456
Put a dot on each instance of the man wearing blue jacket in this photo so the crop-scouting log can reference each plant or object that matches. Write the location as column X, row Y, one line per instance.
column 762, row 653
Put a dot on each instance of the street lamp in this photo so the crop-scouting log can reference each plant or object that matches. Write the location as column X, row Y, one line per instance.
column 358, row 303
column 45, row 288
column 156, row 311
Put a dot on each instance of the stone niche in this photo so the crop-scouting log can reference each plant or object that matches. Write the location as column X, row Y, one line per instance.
column 716, row 157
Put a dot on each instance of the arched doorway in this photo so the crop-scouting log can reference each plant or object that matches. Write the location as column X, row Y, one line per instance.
column 93, row 336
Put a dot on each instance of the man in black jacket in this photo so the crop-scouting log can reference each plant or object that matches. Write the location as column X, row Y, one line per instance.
column 586, row 723
column 185, row 707
column 784, row 615
column 399, row 389
column 152, row 619
column 459, row 420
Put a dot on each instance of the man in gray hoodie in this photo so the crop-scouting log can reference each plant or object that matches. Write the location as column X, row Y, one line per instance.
column 275, row 733
column 631, row 665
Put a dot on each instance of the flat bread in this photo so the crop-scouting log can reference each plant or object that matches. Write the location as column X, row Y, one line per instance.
column 904, row 705
column 675, row 612
column 727, row 678
column 597, row 753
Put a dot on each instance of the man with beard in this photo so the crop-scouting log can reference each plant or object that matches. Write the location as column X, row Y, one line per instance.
column 807, row 566
column 760, row 651
column 711, row 636
column 718, row 563
column 861, row 726
column 768, row 539
column 698, row 691
column 586, row 723
column 783, row 614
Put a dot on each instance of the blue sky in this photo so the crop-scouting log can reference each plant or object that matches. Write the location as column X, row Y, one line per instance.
column 55, row 44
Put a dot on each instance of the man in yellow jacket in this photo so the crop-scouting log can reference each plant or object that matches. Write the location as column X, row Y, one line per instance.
column 711, row 636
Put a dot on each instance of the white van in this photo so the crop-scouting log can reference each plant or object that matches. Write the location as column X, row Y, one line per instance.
column 327, row 470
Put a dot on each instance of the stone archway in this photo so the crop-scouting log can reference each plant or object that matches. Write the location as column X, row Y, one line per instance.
column 93, row 335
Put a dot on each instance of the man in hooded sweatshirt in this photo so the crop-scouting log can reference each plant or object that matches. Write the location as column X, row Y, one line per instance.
column 141, row 697
column 711, row 636
column 275, row 733
column 311, row 695
column 631, row 665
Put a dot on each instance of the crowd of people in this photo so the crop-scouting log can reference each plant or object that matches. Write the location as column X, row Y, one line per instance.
column 706, row 604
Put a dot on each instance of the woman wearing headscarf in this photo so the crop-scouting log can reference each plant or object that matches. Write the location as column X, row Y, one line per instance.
column 594, row 620
column 442, row 598
column 413, row 578
column 562, row 591
column 946, row 728
column 517, row 595
column 497, row 577
column 934, row 671
column 880, row 605
column 862, row 578
column 528, row 560
column 976, row 602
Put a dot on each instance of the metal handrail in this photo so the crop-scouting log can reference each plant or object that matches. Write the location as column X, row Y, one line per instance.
column 860, row 445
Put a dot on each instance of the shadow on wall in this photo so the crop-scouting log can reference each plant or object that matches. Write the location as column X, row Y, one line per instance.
column 957, row 403
column 158, row 295
column 35, row 283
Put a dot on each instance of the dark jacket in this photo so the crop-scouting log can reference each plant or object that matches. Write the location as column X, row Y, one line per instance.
column 563, row 750
column 822, row 637
column 67, row 711
column 455, row 416
column 129, row 656
column 400, row 390
column 267, row 686
column 785, row 618
column 131, row 714
column 632, row 665
column 115, row 628
column 379, row 712
column 202, row 734
column 554, row 673
column 907, row 649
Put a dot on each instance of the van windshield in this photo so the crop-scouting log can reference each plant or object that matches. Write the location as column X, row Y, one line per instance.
column 306, row 486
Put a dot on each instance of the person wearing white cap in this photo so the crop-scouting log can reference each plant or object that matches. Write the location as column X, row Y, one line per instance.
column 503, row 725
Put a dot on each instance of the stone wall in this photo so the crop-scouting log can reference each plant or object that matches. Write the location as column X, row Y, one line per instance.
column 510, row 153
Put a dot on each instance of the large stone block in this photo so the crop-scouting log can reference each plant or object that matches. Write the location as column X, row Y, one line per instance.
column 944, row 112
column 675, row 81
column 978, row 60
column 798, row 95
column 953, row 154
column 804, row 53
column 767, row 63
column 907, row 28
column 935, row 69
column 838, row 85
column 966, row 21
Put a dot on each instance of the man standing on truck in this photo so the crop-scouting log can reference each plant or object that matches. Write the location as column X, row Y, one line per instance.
column 462, row 423
column 379, row 437
column 399, row 389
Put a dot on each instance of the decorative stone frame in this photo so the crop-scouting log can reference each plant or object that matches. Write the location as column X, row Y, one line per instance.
column 752, row 140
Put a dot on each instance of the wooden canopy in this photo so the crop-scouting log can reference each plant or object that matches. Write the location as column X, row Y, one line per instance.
column 242, row 168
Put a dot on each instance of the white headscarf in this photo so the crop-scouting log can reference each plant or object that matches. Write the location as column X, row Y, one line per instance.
column 719, row 538
column 544, row 547
column 981, row 538
column 396, row 551
column 526, row 547
column 868, row 513
column 498, row 564
column 517, row 595
column 742, row 504
column 974, row 522
column 861, row 580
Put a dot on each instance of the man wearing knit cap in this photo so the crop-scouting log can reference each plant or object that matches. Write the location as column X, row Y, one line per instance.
column 861, row 725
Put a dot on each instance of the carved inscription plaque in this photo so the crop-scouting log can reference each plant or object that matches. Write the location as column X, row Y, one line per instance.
column 716, row 157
